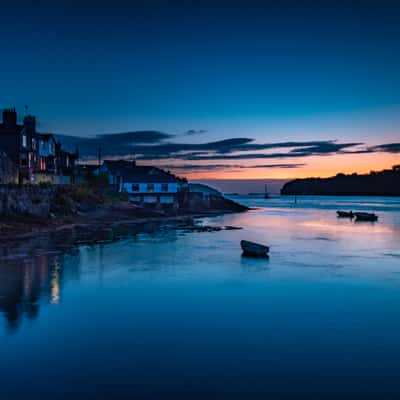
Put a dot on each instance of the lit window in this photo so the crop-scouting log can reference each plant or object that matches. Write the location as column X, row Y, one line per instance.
column 164, row 187
column 24, row 142
column 150, row 187
column 135, row 187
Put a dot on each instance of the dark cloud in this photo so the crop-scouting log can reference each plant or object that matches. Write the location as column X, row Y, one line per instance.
column 229, row 149
column 155, row 145
column 325, row 148
column 386, row 148
column 113, row 144
column 136, row 137
column 208, row 167
column 191, row 132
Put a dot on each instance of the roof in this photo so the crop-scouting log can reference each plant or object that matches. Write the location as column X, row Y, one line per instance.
column 132, row 173
column 47, row 136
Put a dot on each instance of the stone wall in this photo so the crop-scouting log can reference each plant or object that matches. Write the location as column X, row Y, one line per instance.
column 52, row 179
column 8, row 170
column 32, row 200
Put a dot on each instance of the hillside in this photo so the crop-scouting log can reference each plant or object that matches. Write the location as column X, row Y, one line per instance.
column 382, row 183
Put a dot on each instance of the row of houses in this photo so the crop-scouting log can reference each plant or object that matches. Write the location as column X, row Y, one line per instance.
column 38, row 157
column 27, row 156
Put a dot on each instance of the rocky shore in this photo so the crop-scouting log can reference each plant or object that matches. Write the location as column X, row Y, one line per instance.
column 90, row 217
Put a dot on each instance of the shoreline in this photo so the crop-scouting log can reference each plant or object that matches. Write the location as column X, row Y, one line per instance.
column 97, row 222
column 55, row 239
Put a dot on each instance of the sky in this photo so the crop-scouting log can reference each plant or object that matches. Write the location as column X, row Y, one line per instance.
column 211, row 89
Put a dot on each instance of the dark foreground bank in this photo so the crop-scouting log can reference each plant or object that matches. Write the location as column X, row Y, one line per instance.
column 94, row 214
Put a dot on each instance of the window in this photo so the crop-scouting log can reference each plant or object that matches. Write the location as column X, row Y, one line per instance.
column 164, row 187
column 135, row 187
column 24, row 142
column 150, row 187
column 33, row 144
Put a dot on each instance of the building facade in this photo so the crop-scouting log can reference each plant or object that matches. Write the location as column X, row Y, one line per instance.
column 146, row 185
column 38, row 157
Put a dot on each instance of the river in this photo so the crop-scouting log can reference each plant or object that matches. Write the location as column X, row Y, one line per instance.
column 176, row 314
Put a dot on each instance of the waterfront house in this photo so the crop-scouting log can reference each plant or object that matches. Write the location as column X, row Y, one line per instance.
column 55, row 165
column 146, row 185
column 47, row 153
column 19, row 142
column 113, row 170
column 66, row 162
column 38, row 157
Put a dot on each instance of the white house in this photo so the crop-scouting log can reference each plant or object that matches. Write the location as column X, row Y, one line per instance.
column 144, row 184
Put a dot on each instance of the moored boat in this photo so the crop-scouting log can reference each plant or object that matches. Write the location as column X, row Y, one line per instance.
column 362, row 216
column 345, row 214
column 252, row 249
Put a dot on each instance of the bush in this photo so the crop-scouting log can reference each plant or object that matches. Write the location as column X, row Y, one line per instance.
column 98, row 181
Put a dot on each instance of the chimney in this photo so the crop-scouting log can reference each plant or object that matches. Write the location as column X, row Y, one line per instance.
column 10, row 118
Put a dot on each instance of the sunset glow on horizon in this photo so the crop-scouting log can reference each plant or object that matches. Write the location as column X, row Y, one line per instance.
column 322, row 167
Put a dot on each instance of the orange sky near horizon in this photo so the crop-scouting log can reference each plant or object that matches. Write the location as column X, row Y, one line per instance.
column 315, row 166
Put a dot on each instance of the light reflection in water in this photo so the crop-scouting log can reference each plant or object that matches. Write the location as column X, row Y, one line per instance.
column 24, row 283
column 139, row 314
column 55, row 286
column 303, row 240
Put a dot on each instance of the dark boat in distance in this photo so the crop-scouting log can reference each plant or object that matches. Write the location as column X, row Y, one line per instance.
column 345, row 214
column 252, row 249
column 363, row 216
column 359, row 216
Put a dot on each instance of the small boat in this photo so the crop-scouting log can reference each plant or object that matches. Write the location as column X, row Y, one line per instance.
column 362, row 216
column 251, row 249
column 345, row 214
column 266, row 195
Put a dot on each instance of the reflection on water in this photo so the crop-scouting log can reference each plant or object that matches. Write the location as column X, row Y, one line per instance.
column 32, row 273
column 302, row 236
column 167, row 313
column 23, row 282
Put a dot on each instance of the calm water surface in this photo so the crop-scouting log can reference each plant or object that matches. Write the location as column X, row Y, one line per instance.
column 169, row 314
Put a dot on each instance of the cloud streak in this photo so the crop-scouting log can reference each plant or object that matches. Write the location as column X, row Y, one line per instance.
column 215, row 167
column 192, row 132
column 155, row 145
column 386, row 148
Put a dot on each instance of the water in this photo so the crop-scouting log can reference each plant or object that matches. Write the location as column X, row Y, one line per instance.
column 183, row 315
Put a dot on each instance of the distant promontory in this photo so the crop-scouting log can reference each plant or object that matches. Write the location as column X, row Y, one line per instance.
column 382, row 183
